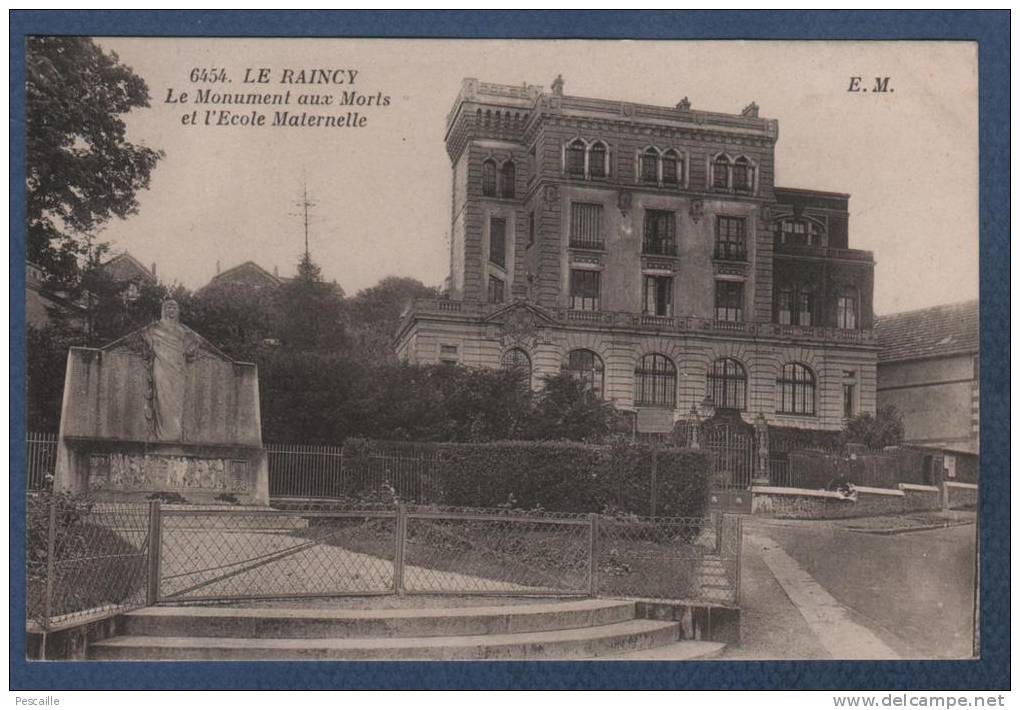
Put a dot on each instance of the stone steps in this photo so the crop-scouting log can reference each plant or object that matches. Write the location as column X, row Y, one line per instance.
column 555, row 629
column 588, row 642
column 264, row 623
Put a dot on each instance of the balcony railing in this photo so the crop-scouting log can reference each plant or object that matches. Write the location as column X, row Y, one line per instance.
column 728, row 251
column 470, row 310
column 824, row 252
column 581, row 242
column 659, row 247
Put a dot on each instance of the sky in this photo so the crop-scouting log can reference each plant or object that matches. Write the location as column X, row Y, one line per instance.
column 381, row 193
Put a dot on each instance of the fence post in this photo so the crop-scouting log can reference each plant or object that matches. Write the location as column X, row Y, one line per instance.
column 740, row 557
column 718, row 532
column 155, row 551
column 398, row 554
column 51, row 563
column 593, row 555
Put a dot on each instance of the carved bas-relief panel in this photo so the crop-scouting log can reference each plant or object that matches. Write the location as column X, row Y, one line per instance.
column 130, row 473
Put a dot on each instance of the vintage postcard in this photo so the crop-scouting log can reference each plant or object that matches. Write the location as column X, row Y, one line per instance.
column 391, row 349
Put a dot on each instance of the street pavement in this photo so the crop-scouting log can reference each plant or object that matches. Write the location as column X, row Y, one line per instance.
column 818, row 589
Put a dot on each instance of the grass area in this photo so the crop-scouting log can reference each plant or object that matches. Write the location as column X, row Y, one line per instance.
column 95, row 567
column 653, row 564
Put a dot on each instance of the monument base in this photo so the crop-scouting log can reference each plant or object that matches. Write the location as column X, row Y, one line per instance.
column 175, row 473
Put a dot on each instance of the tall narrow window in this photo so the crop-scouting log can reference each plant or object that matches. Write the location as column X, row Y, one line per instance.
column 497, row 241
column 597, row 160
column 489, row 178
column 672, row 168
column 721, row 173
column 743, row 175
column 650, row 165
column 586, row 225
column 846, row 312
column 731, row 238
column 729, row 300
column 655, row 382
column 584, row 290
column 784, row 306
column 796, row 389
column 660, row 233
column 508, row 179
column 587, row 367
column 727, row 384
column 658, row 300
column 848, row 400
column 496, row 290
column 805, row 308
column 575, row 158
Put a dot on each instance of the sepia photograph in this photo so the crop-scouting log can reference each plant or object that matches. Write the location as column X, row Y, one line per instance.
column 501, row 350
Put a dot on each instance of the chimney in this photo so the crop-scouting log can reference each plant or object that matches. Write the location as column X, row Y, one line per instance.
column 154, row 268
column 217, row 267
column 751, row 110
column 276, row 271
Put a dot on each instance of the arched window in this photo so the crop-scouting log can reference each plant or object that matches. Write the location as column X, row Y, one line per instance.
column 743, row 175
column 672, row 168
column 517, row 360
column 489, row 178
column 796, row 389
column 721, row 172
column 508, row 177
column 597, row 160
column 727, row 384
column 655, row 382
column 574, row 159
column 587, row 367
column 650, row 165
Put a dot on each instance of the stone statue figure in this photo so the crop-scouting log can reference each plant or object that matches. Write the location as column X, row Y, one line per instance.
column 170, row 347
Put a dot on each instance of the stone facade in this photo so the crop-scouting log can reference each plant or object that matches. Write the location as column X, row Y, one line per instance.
column 654, row 240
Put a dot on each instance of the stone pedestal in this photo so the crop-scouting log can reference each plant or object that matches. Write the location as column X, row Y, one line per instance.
column 161, row 411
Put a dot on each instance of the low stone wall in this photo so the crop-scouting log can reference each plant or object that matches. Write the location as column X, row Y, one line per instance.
column 803, row 503
column 961, row 495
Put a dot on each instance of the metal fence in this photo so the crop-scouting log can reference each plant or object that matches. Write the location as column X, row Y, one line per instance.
column 40, row 459
column 215, row 554
column 92, row 560
column 310, row 471
column 84, row 559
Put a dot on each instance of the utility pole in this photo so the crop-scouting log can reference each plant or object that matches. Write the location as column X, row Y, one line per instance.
column 304, row 204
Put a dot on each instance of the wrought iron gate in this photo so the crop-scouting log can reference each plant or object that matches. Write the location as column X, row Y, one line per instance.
column 731, row 455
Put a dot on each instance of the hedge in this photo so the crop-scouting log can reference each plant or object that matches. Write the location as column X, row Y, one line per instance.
column 574, row 477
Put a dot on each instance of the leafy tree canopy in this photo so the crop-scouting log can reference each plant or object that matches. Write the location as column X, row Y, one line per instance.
column 883, row 429
column 81, row 170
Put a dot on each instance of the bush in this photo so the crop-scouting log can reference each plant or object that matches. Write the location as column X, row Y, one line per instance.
column 94, row 566
column 575, row 478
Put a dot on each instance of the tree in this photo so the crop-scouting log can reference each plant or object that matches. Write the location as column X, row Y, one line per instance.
column 239, row 318
column 875, row 432
column 311, row 311
column 81, row 170
column 568, row 409
column 373, row 316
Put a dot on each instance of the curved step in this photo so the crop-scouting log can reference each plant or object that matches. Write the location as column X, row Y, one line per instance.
column 263, row 623
column 589, row 642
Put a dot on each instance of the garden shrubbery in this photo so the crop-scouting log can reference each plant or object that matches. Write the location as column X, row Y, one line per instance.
column 575, row 478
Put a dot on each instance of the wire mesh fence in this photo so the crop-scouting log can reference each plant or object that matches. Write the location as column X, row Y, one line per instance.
column 463, row 552
column 264, row 554
column 116, row 556
column 84, row 559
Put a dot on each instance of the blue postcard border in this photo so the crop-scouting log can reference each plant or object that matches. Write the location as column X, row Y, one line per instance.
column 990, row 29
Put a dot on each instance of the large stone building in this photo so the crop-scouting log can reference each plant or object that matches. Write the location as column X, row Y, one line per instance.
column 647, row 250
